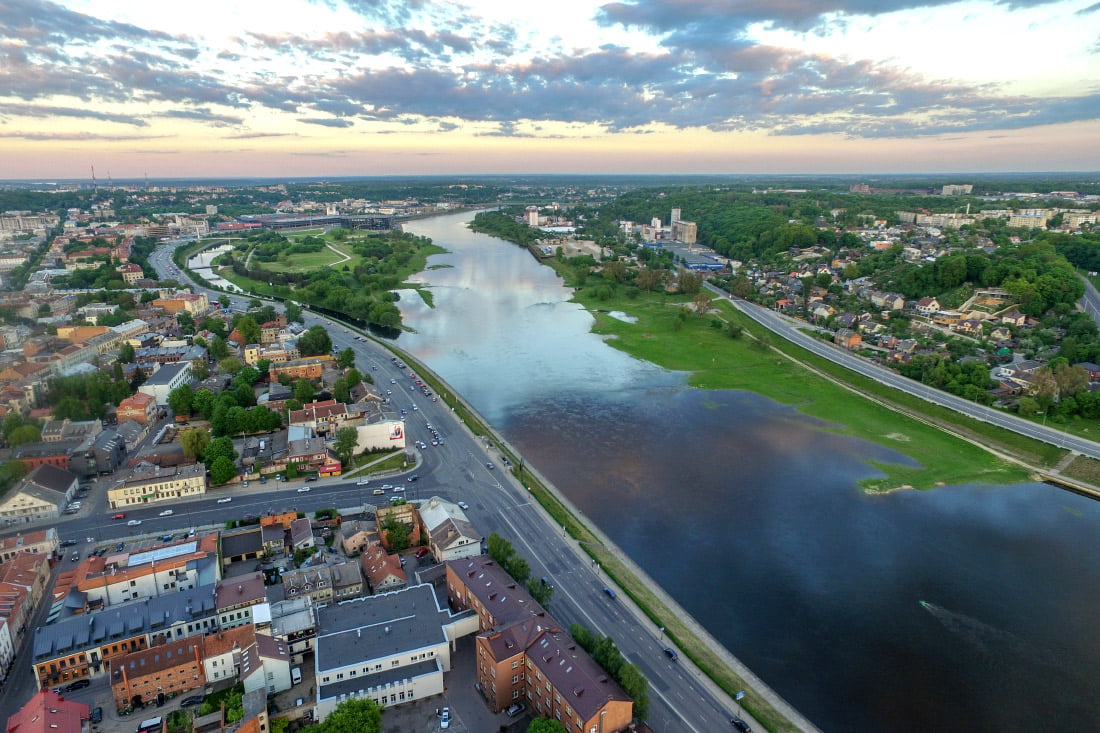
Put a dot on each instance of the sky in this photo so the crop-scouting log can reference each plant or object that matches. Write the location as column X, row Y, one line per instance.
column 206, row 88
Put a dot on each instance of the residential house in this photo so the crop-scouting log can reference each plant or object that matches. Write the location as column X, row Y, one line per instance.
column 450, row 534
column 314, row 581
column 222, row 652
column 242, row 544
column 41, row 541
column 927, row 306
column 166, row 379
column 265, row 665
column 347, row 580
column 237, row 599
column 42, row 494
column 155, row 674
column 301, row 534
column 847, row 338
column 141, row 407
column 383, row 571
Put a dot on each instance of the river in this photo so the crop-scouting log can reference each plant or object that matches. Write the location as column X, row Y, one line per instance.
column 965, row 608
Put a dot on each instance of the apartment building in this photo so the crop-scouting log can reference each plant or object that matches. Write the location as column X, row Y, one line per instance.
column 151, row 483
column 152, row 676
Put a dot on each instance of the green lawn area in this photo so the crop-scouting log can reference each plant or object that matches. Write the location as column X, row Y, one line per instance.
column 717, row 361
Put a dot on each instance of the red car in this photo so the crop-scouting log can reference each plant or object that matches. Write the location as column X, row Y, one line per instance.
column 421, row 552
column 120, row 515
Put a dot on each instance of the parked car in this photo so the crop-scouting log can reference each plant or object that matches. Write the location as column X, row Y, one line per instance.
column 445, row 718
column 225, row 500
column 189, row 701
column 75, row 557
column 740, row 725
column 514, row 710
column 120, row 547
column 610, row 593
column 68, row 543
column 422, row 552
column 77, row 685
column 490, row 466
column 311, row 478
column 134, row 522
column 97, row 715
column 120, row 515
column 463, row 505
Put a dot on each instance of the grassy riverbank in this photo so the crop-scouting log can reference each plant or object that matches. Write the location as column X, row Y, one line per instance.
column 717, row 361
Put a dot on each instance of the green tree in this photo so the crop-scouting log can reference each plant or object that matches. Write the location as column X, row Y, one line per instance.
column 356, row 715
column 315, row 341
column 230, row 365
column 219, row 348
column 293, row 312
column 194, row 443
column 541, row 592
column 304, row 391
column 186, row 321
column 126, row 353
column 222, row 470
column 346, row 358
column 249, row 329
column 397, row 533
column 203, row 403
column 341, row 391
column 635, row 684
column 545, row 725
column 179, row 400
column 24, row 434
column 344, row 445
column 224, row 301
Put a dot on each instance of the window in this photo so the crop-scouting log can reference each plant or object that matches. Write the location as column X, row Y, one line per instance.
column 515, row 678
column 515, row 663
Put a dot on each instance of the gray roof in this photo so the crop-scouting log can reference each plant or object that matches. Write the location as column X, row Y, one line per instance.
column 126, row 620
column 365, row 682
column 51, row 478
column 379, row 626
column 244, row 542
column 166, row 374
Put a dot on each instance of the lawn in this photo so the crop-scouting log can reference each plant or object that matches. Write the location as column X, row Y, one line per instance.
column 717, row 361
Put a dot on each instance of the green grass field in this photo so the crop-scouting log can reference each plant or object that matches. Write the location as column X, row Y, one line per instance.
column 717, row 361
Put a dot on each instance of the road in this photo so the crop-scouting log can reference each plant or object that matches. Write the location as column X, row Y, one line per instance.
column 793, row 331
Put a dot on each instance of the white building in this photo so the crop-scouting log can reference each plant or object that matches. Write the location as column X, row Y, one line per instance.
column 450, row 534
column 166, row 379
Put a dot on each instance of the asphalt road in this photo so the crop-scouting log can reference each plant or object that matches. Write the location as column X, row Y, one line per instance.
column 792, row 330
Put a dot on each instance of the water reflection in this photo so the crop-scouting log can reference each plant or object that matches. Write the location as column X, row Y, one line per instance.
column 751, row 517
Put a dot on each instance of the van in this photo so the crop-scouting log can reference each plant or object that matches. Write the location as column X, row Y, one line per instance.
column 147, row 726
column 295, row 675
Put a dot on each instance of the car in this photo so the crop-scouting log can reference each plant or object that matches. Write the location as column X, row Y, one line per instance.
column 166, row 513
column 120, row 547
column 610, row 593
column 311, row 478
column 463, row 505
column 514, row 710
column 421, row 552
column 393, row 381
column 68, row 543
column 166, row 538
column 399, row 489
column 120, row 515
column 671, row 653
column 304, row 490
column 490, row 466
column 445, row 718
column 377, row 492
column 75, row 557
column 134, row 522
column 97, row 715
column 225, row 500
column 71, row 510
column 77, row 685
column 414, row 477
column 740, row 725
column 395, row 499
column 362, row 482
column 189, row 701
column 246, row 484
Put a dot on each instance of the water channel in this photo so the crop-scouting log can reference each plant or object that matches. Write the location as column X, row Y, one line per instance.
column 965, row 608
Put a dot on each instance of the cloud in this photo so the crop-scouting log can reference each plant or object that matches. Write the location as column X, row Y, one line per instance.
column 254, row 135
column 76, row 136
column 326, row 122
column 202, row 114
column 38, row 21
column 44, row 111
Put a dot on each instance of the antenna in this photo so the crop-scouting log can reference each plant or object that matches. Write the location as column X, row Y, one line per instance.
column 95, row 187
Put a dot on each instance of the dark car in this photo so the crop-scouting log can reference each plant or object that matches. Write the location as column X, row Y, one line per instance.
column 610, row 593
column 77, row 685
column 414, row 477
column 68, row 543
column 670, row 653
column 97, row 715
column 311, row 478
column 120, row 547
column 740, row 725
column 189, row 701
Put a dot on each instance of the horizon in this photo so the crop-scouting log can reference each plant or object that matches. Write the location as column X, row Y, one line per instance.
column 334, row 88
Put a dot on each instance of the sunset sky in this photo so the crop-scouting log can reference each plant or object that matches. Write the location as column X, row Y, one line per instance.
column 377, row 87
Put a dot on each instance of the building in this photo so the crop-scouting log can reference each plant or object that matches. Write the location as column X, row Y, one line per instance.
column 237, row 599
column 48, row 712
column 450, row 534
column 149, row 483
column 42, row 541
column 194, row 303
column 325, row 418
column 222, row 652
column 141, row 407
column 383, row 571
column 524, row 655
column 314, row 581
column 166, row 379
column 294, row 623
column 265, row 665
column 42, row 494
column 390, row 648
column 84, row 645
column 151, row 676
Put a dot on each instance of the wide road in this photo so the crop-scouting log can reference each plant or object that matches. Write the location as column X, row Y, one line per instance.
column 793, row 331
column 680, row 698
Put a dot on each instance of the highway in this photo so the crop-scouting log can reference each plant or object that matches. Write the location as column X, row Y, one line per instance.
column 681, row 699
column 792, row 330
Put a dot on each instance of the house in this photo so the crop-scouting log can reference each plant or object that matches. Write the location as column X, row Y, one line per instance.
column 42, row 494
column 847, row 338
column 927, row 306
column 265, row 666
column 347, row 580
column 141, row 407
column 242, row 544
column 42, row 541
column 274, row 538
column 152, row 676
column 314, row 581
column 237, row 598
column 149, row 483
column 450, row 534
column 48, row 712
column 294, row 622
column 222, row 652
column 1092, row 369
column 391, row 648
column 354, row 535
column 301, row 534
column 383, row 571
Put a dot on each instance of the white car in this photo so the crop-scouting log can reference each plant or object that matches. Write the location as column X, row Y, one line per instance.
column 445, row 718
column 134, row 522
column 304, row 490
column 463, row 505
column 226, row 500
column 362, row 482
column 166, row 513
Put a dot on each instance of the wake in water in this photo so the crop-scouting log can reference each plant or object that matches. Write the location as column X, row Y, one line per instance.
column 981, row 635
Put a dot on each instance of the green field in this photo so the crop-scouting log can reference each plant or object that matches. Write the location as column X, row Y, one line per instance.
column 717, row 361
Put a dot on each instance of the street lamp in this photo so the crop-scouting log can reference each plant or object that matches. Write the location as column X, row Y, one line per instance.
column 662, row 633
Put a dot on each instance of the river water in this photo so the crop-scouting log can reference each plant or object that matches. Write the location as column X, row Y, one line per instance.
column 965, row 608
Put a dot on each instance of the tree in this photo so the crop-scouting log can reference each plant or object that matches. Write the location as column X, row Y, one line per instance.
column 701, row 303
column 224, row 301
column 355, row 715
column 293, row 312
column 397, row 533
column 194, row 443
column 249, row 329
column 126, row 353
column 230, row 365
column 219, row 448
column 315, row 341
column 635, row 684
column 219, row 348
column 186, row 321
column 222, row 470
column 23, row 434
column 179, row 400
column 346, row 358
column 541, row 592
column 689, row 281
column 304, row 391
column 344, row 445
column 341, row 391
column 545, row 725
